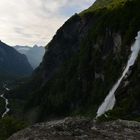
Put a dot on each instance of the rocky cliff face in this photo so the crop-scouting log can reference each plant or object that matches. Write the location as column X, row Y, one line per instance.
column 84, row 60
column 80, row 129
column 13, row 63
column 64, row 45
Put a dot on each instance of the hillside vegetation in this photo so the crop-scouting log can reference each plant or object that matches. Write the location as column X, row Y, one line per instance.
column 84, row 60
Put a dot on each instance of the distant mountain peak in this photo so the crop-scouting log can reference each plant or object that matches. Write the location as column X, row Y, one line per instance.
column 34, row 54
column 12, row 62
column 35, row 46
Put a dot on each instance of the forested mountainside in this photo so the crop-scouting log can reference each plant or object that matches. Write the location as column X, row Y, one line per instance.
column 12, row 63
column 82, row 63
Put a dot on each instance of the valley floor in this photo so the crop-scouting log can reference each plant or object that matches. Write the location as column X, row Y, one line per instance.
column 80, row 129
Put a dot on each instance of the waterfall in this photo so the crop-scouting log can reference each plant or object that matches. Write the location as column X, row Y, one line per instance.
column 110, row 100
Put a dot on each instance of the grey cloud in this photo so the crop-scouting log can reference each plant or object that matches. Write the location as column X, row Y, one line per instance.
column 27, row 22
column 20, row 31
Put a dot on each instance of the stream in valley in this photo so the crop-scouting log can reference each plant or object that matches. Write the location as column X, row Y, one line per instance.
column 7, row 109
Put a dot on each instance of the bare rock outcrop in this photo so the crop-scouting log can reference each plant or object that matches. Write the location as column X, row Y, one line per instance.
column 80, row 129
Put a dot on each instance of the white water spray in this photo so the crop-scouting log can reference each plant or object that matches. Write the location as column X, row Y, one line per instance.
column 110, row 100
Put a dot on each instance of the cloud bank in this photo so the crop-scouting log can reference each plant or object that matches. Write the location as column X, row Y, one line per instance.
column 29, row 22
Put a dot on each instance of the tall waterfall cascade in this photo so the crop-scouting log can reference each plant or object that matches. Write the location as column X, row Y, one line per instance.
column 110, row 100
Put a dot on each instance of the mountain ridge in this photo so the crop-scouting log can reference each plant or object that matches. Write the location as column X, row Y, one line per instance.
column 13, row 63
column 82, row 63
column 34, row 54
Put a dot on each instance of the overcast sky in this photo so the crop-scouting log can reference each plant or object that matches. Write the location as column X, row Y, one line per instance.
column 29, row 22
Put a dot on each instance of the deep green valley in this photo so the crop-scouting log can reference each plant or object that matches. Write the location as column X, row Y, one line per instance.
column 82, row 63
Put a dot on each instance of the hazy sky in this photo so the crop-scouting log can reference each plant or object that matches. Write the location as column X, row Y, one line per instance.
column 29, row 22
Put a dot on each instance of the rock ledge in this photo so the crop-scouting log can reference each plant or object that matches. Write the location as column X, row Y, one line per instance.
column 80, row 129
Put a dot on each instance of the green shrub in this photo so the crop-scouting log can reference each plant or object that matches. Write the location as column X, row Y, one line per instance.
column 8, row 126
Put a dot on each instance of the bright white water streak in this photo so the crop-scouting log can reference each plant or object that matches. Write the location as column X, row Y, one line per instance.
column 6, row 106
column 110, row 100
column 6, row 102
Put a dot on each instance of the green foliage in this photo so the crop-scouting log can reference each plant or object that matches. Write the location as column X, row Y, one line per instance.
column 2, row 106
column 128, row 99
column 8, row 126
column 83, row 81
column 120, row 16
column 74, row 89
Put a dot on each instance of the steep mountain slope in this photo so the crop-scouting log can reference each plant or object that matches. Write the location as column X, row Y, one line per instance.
column 34, row 54
column 83, row 61
column 12, row 63
column 22, row 49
